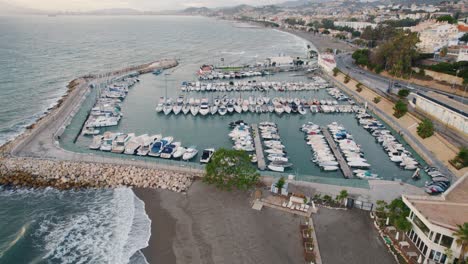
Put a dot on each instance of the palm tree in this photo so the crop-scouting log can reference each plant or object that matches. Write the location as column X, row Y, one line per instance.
column 280, row 184
column 462, row 240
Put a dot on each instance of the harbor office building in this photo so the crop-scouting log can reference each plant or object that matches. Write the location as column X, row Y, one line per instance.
column 434, row 220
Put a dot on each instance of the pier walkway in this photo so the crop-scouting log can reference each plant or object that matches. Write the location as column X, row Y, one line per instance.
column 348, row 174
column 258, row 148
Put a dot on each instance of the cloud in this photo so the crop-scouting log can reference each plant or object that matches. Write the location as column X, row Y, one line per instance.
column 86, row 5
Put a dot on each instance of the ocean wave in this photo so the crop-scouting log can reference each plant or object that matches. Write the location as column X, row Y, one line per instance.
column 84, row 226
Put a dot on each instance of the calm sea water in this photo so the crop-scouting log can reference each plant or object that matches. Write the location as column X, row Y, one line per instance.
column 39, row 56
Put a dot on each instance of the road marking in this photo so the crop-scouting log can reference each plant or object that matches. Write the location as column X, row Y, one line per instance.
column 413, row 125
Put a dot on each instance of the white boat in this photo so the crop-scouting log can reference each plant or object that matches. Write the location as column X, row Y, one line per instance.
column 180, row 151
column 194, row 109
column 367, row 175
column 279, row 109
column 301, row 110
column 107, row 141
column 167, row 109
column 160, row 106
column 204, row 107
column 206, row 155
column 330, row 168
column 358, row 164
column 134, row 144
column 287, row 108
column 190, row 153
column 277, row 158
column 90, row 131
column 238, row 109
column 97, row 141
column 169, row 150
column 118, row 145
column 222, row 110
column 186, row 109
column 146, row 146
column 213, row 109
column 275, row 168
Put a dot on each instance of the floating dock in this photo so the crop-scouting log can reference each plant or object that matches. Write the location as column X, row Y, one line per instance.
column 258, row 148
column 348, row 174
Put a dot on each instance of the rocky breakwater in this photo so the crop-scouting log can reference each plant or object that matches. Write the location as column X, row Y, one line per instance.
column 25, row 172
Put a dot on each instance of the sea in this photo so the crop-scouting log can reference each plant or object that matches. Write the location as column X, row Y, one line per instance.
column 39, row 55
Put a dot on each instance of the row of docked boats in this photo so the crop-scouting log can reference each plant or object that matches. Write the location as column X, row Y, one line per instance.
column 322, row 156
column 395, row 150
column 241, row 135
column 351, row 151
column 143, row 145
column 225, row 105
column 253, row 86
column 273, row 147
column 106, row 111
column 208, row 72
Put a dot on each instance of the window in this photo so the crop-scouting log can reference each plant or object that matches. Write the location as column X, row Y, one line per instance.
column 421, row 225
column 436, row 239
column 446, row 241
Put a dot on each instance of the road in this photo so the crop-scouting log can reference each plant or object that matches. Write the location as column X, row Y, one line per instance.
column 377, row 82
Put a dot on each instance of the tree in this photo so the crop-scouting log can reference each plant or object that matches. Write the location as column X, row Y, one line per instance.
column 280, row 184
column 326, row 32
column 231, row 168
column 400, row 109
column 464, row 38
column 402, row 224
column 461, row 160
column 335, row 71
column 425, row 128
column 347, row 79
column 343, row 195
column 403, row 93
column 397, row 210
column 377, row 99
column 359, row 87
column 381, row 206
column 461, row 236
column 398, row 53
column 443, row 52
column 447, row 18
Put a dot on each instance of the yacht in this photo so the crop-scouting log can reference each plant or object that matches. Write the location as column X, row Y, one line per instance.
column 107, row 141
column 97, row 141
column 222, row 110
column 159, row 107
column 287, row 108
column 206, row 155
column 118, row 145
column 279, row 109
column 134, row 144
column 167, row 109
column 190, row 153
column 194, row 109
column 230, row 107
column 147, row 144
column 178, row 105
column 169, row 150
column 238, row 108
column 204, row 107
column 301, row 110
column 185, row 109
column 90, row 131
column 213, row 109
column 180, row 151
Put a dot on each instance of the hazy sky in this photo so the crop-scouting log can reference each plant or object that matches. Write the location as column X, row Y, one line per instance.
column 84, row 5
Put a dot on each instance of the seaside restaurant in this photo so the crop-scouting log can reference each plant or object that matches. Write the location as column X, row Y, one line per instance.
column 434, row 220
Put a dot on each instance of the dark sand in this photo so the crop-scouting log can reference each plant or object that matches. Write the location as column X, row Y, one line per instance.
column 211, row 226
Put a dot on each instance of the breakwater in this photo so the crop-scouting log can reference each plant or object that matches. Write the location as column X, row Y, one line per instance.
column 36, row 173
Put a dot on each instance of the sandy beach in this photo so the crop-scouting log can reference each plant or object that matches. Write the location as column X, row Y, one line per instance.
column 206, row 225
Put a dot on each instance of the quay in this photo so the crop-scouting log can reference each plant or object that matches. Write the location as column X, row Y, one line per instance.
column 258, row 148
column 348, row 174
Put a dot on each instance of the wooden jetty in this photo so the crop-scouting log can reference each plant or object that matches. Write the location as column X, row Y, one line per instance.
column 258, row 148
column 348, row 174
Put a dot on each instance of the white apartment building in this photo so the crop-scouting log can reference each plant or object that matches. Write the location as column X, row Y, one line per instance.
column 435, row 219
column 354, row 24
column 435, row 36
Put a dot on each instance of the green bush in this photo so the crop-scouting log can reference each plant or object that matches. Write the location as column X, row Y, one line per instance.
column 461, row 160
column 335, row 71
column 347, row 79
column 403, row 93
column 377, row 99
column 400, row 108
column 425, row 128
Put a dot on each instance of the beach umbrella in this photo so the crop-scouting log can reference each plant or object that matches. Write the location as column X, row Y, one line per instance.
column 397, row 236
column 388, row 221
column 420, row 259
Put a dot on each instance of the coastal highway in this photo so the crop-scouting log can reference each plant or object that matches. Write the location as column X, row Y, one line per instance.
column 345, row 63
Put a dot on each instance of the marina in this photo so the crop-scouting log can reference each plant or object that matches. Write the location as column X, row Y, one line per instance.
column 207, row 132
